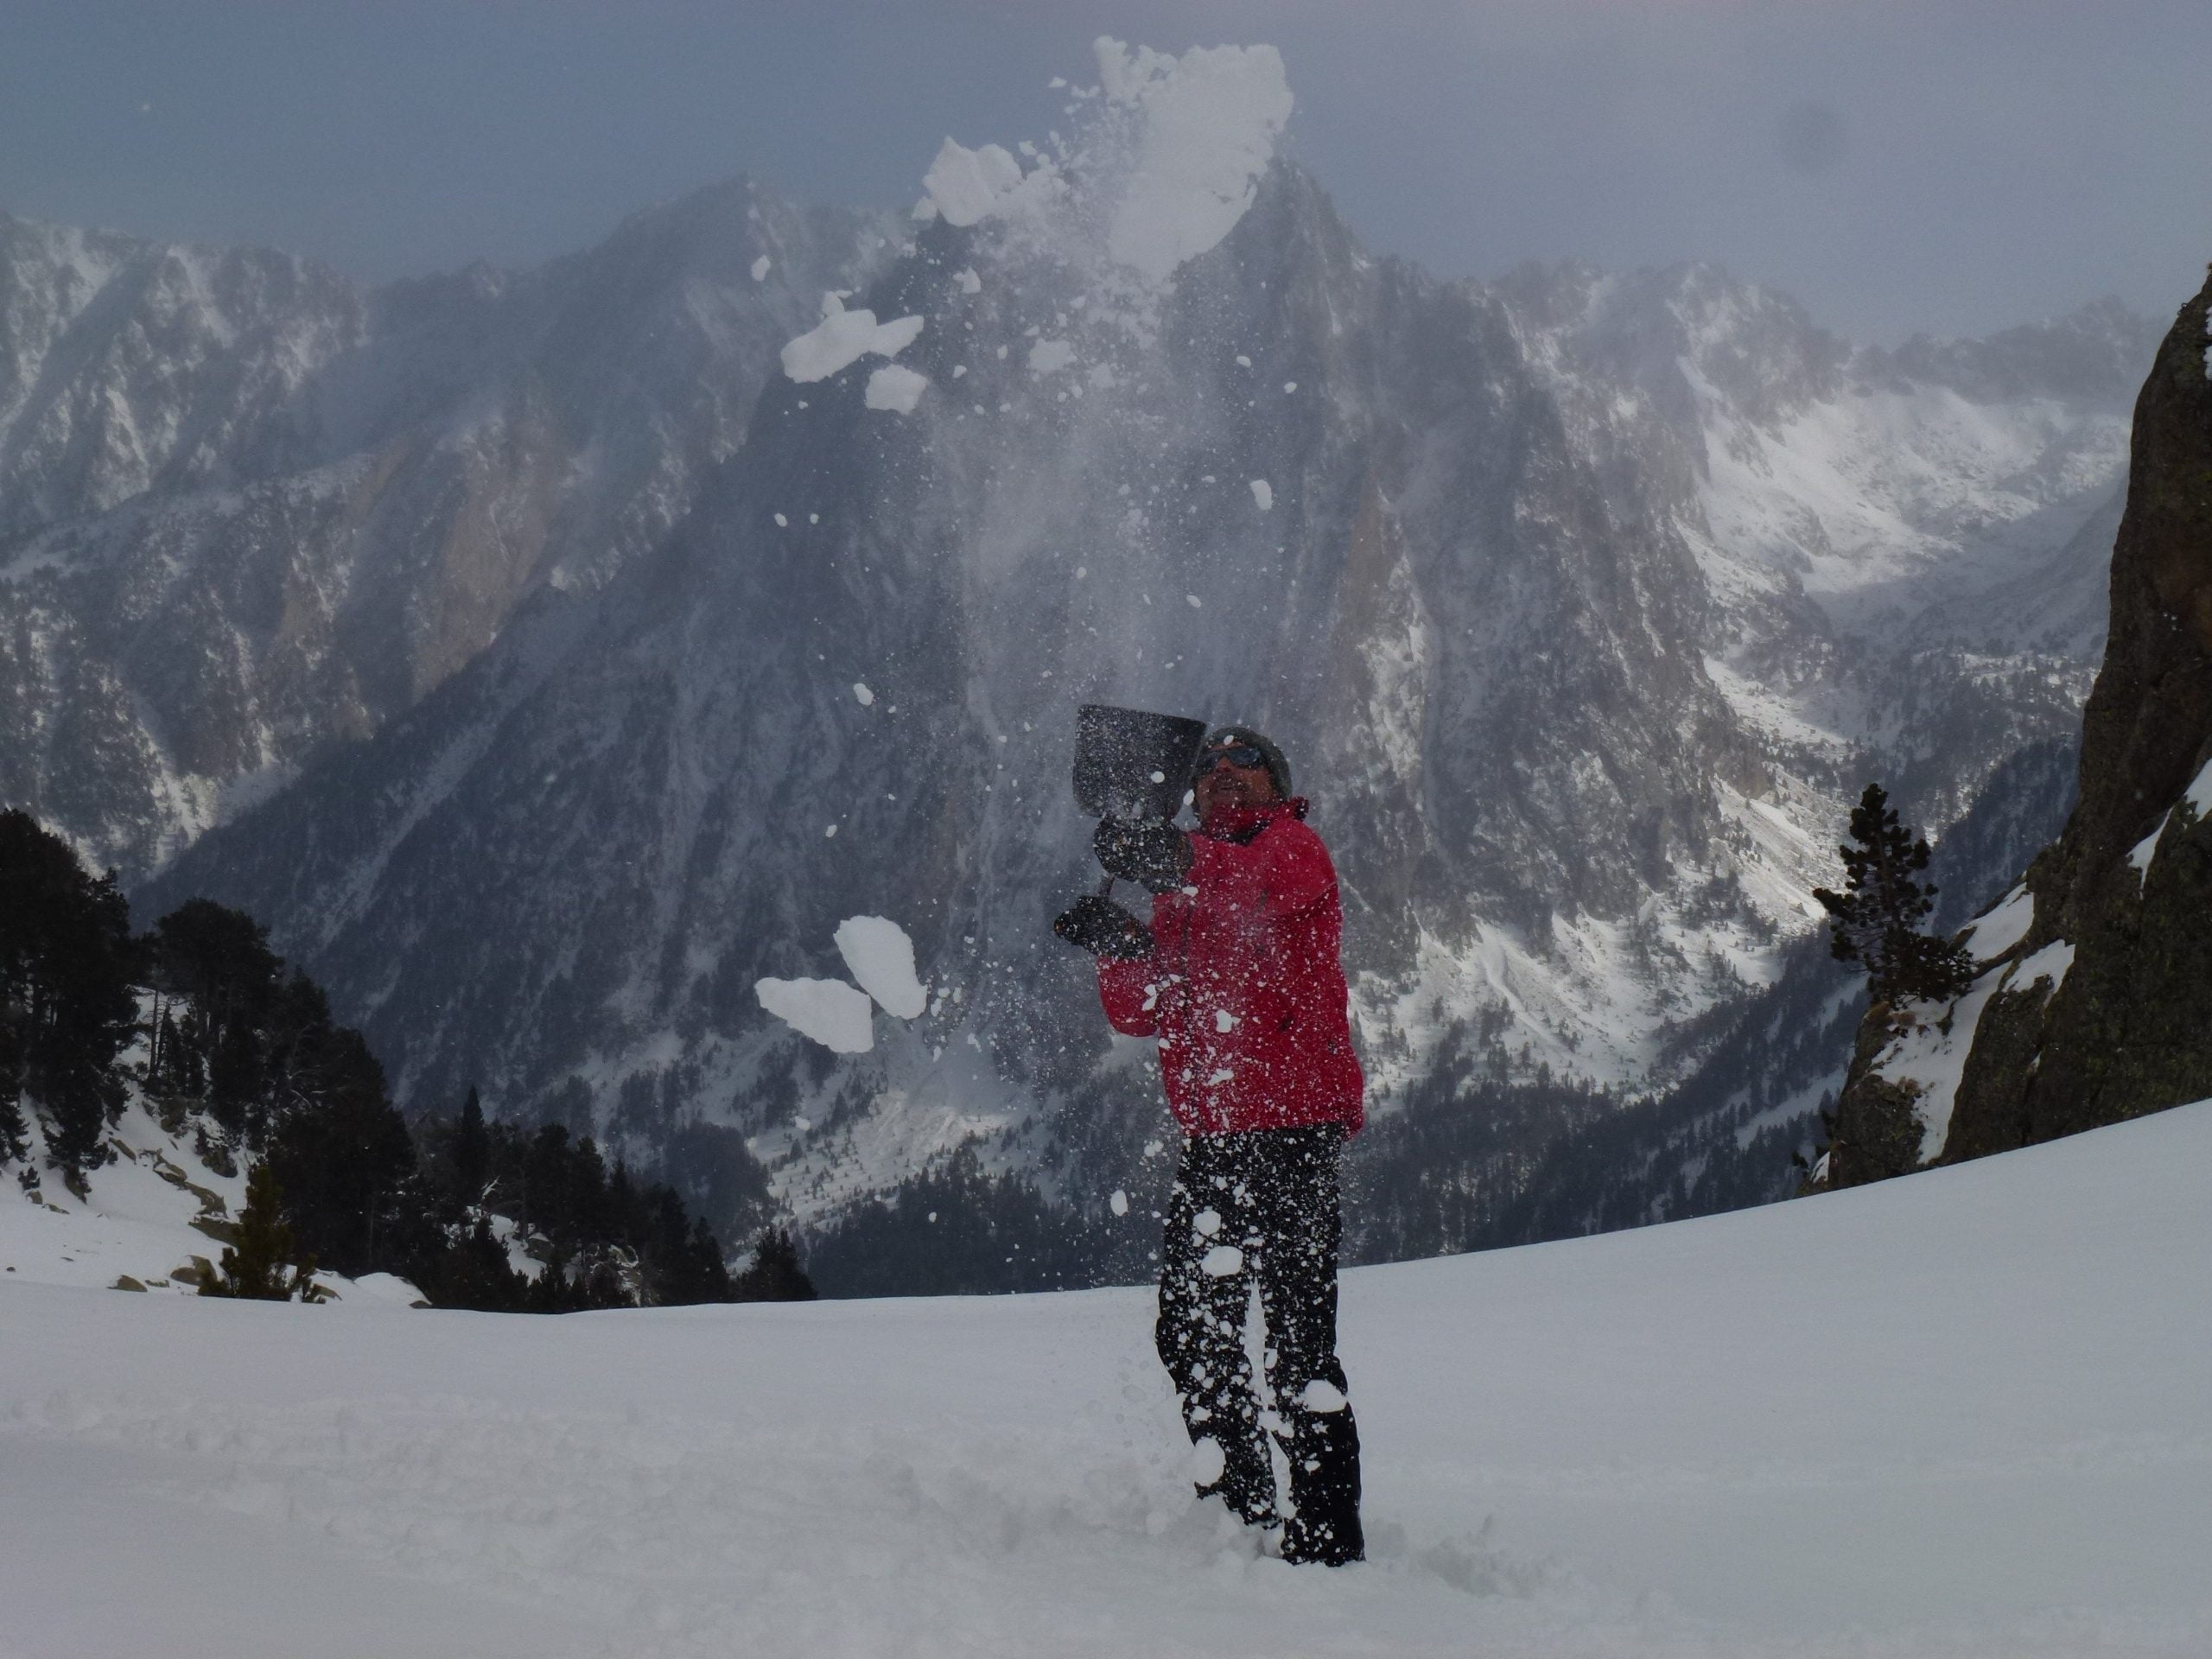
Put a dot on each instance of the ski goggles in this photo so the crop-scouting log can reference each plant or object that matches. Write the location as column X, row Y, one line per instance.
column 1236, row 754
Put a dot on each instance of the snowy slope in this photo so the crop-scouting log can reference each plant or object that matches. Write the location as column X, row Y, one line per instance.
column 1962, row 1414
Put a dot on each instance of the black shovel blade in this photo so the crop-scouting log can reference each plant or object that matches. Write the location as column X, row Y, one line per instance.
column 1129, row 764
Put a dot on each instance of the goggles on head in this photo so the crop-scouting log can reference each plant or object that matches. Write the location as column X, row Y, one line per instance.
column 1236, row 754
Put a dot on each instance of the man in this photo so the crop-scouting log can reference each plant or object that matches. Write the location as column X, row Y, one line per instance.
column 1238, row 977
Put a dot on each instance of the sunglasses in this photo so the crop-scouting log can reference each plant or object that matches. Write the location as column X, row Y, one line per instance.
column 1242, row 755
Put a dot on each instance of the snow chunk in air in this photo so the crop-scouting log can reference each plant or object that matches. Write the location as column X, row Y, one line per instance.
column 828, row 1011
column 880, row 956
column 1210, row 120
column 895, row 388
column 761, row 269
column 842, row 338
column 1264, row 493
column 1222, row 1261
column 965, row 185
column 861, row 695
column 1047, row 356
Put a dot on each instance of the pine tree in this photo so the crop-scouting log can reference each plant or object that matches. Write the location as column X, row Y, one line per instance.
column 1877, row 921
column 255, row 1268
column 775, row 1274
column 472, row 1152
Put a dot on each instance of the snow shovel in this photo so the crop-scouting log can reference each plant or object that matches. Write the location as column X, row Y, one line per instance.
column 1129, row 764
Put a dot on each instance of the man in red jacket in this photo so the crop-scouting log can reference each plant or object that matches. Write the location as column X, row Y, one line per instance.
column 1238, row 977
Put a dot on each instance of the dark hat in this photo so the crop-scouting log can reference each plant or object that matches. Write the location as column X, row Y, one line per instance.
column 1278, row 768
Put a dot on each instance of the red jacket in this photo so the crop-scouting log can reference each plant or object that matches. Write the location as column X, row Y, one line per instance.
column 1243, row 987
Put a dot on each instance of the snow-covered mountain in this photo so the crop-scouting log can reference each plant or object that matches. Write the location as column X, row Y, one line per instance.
column 248, row 508
column 1581, row 602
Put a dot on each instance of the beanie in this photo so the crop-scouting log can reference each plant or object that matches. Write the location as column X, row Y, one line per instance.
column 1278, row 768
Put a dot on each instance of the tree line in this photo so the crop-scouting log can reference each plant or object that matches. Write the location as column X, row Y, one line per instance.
column 240, row 1051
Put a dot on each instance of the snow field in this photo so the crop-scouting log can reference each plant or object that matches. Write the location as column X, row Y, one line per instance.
column 1961, row 1414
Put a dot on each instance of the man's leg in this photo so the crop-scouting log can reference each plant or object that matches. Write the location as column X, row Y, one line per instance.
column 1300, row 1225
column 1200, row 1333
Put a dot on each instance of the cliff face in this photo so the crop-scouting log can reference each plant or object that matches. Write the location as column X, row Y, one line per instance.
column 2096, row 1005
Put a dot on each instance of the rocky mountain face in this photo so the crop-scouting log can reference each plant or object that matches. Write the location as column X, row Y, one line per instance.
column 248, row 507
column 1581, row 602
column 2095, row 1003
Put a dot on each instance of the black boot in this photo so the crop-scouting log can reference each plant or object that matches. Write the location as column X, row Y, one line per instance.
column 1323, row 1451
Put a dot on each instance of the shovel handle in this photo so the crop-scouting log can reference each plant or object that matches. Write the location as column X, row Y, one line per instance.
column 1106, row 889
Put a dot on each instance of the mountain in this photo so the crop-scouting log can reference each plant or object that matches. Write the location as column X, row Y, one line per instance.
column 248, row 507
column 2094, row 1003
column 1582, row 603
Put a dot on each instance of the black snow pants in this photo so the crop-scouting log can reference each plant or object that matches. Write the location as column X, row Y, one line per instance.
column 1263, row 1205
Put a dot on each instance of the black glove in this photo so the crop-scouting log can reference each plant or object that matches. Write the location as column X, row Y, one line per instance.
column 1103, row 928
column 1144, row 851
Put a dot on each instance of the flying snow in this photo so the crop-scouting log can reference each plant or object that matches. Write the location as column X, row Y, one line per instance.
column 842, row 338
column 967, row 185
column 1048, row 356
column 1264, row 493
column 1210, row 120
column 829, row 1011
column 895, row 388
column 761, row 269
column 861, row 695
column 879, row 955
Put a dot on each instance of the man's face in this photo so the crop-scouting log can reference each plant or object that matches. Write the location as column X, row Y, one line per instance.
column 1222, row 781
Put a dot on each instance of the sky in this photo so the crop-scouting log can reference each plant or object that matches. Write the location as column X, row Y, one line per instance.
column 1899, row 166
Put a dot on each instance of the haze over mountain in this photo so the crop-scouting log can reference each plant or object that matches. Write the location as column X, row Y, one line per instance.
column 1582, row 602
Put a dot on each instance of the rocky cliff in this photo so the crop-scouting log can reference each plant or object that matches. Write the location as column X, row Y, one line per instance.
column 2095, row 1003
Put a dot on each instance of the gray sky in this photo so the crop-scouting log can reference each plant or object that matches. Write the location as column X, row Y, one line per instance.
column 1949, row 165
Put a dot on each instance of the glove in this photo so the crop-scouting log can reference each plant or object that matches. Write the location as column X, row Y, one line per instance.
column 1143, row 850
column 1103, row 928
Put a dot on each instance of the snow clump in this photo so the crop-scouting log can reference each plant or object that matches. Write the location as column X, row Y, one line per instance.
column 1264, row 493
column 861, row 695
column 829, row 1011
column 895, row 388
column 1048, row 356
column 1210, row 118
column 761, row 269
column 880, row 956
column 966, row 185
column 842, row 338
column 1222, row 1261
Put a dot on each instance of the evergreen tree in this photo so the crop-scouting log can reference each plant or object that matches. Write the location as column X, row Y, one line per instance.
column 1877, row 921
column 472, row 1152
column 775, row 1274
column 255, row 1266
column 67, row 1002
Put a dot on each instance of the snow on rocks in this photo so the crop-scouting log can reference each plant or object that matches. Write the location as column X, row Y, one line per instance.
column 896, row 388
column 2048, row 963
column 831, row 1012
column 880, row 956
column 1990, row 935
column 842, row 338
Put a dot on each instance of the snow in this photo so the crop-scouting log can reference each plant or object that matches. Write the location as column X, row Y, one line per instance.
column 761, row 269
column 1222, row 1261
column 862, row 695
column 2004, row 925
column 842, row 338
column 2143, row 851
column 1049, row 356
column 1779, row 1432
column 881, row 957
column 966, row 185
column 1264, row 493
column 895, row 388
column 829, row 1011
column 2050, row 963
column 967, row 280
column 2199, row 793
column 1210, row 120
